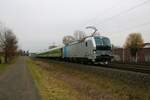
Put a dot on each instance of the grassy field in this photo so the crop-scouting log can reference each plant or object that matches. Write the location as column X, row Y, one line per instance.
column 3, row 67
column 50, row 87
column 58, row 81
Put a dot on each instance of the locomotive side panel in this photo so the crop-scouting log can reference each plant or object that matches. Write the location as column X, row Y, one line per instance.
column 80, row 50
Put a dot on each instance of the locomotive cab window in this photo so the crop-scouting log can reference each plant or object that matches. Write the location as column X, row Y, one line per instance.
column 98, row 41
column 86, row 44
column 106, row 42
column 102, row 43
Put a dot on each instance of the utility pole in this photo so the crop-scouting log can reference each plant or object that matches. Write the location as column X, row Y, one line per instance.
column 123, row 55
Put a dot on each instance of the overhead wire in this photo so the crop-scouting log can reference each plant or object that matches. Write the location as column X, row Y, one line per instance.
column 134, row 27
column 103, row 12
column 125, row 11
column 122, row 12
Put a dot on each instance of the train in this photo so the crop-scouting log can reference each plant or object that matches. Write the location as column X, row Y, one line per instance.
column 92, row 49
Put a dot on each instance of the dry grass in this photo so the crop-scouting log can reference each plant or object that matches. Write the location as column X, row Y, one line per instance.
column 51, row 88
column 3, row 67
column 72, row 82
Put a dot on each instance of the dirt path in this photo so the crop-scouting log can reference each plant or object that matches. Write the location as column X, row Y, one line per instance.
column 17, row 83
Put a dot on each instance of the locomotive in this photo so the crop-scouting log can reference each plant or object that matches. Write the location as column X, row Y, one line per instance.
column 94, row 49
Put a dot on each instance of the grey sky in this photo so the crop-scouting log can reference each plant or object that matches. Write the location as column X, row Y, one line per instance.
column 39, row 23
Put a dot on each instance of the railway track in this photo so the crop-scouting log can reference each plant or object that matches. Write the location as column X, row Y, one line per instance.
column 128, row 67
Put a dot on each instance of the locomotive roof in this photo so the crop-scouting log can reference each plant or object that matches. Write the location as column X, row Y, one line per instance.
column 79, row 41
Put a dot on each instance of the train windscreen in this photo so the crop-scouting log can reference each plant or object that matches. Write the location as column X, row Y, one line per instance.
column 106, row 42
column 102, row 43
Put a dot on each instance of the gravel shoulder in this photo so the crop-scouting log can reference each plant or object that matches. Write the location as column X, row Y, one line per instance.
column 17, row 83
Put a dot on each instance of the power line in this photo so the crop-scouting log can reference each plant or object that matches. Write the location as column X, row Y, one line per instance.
column 119, row 14
column 103, row 12
column 136, row 26
column 126, row 11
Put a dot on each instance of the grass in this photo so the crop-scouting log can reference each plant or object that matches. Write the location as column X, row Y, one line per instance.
column 51, row 88
column 117, row 83
column 3, row 67
column 59, row 81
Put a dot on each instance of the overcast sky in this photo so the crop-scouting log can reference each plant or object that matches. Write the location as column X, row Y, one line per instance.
column 40, row 23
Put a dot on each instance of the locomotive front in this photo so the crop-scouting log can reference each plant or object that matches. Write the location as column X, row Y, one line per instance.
column 103, row 50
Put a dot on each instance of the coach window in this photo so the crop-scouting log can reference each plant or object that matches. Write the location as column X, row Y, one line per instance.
column 86, row 44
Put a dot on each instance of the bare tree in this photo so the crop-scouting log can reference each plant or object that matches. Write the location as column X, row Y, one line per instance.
column 134, row 42
column 8, row 43
column 78, row 35
column 68, row 39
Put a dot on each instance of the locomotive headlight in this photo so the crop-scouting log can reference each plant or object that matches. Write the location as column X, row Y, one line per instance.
column 94, row 51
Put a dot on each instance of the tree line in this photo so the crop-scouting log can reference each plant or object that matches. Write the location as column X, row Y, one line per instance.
column 134, row 43
column 8, row 44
